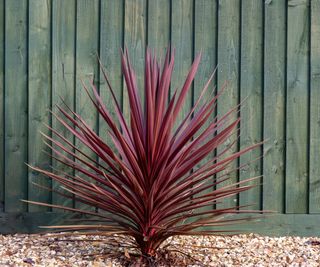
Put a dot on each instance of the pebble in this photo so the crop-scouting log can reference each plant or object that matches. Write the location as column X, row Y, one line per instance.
column 238, row 250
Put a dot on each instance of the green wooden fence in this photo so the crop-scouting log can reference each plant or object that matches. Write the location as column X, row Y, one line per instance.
column 268, row 50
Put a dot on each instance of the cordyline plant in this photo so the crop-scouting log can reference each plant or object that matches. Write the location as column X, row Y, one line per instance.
column 155, row 183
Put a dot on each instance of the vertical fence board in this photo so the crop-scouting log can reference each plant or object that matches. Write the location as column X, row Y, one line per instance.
column 87, row 32
column 228, row 70
column 39, row 88
column 297, row 107
column 63, row 73
column 182, row 40
column 205, row 41
column 251, row 87
column 159, row 25
column 274, row 105
column 315, row 109
column 111, row 38
column 16, row 105
column 1, row 104
column 135, row 39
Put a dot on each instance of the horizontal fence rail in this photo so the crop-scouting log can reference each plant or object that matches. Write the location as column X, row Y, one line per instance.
column 268, row 51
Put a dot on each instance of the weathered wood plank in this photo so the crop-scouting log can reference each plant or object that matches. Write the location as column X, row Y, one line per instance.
column 251, row 87
column 271, row 225
column 28, row 222
column 274, row 105
column 314, row 186
column 135, row 40
column 280, row 225
column 63, row 72
column 87, row 46
column 183, row 41
column 111, row 37
column 39, row 84
column 297, row 107
column 228, row 70
column 159, row 25
column 16, row 105
column 193, row 27
column 1, row 105
column 205, row 31
column 205, row 40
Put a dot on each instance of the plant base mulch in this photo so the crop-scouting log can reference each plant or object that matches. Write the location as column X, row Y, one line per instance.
column 99, row 251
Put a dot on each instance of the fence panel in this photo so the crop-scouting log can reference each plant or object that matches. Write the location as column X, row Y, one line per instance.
column 15, row 106
column 267, row 50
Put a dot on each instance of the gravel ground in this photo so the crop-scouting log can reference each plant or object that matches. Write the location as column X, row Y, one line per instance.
column 238, row 250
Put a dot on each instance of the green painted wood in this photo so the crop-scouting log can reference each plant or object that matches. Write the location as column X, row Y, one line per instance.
column 63, row 72
column 270, row 225
column 159, row 25
column 297, row 107
column 1, row 104
column 16, row 105
column 191, row 26
column 28, row 222
column 205, row 41
column 205, row 31
column 111, row 34
column 274, row 105
column 314, row 185
column 39, row 84
column 280, row 225
column 251, row 87
column 228, row 70
column 183, row 40
column 87, row 47
column 111, row 39
column 135, row 40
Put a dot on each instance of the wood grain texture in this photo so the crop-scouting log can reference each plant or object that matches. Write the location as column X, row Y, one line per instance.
column 275, row 63
column 280, row 225
column 159, row 25
column 182, row 38
column 111, row 34
column 271, row 225
column 251, row 86
column 135, row 39
column 205, row 40
column 16, row 105
column 274, row 105
column 27, row 222
column 183, row 41
column 63, row 72
column 314, row 186
column 87, row 46
column 39, row 84
column 2, row 72
column 297, row 107
column 228, row 71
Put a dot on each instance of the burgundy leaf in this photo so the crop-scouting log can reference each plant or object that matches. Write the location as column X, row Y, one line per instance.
column 149, row 180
